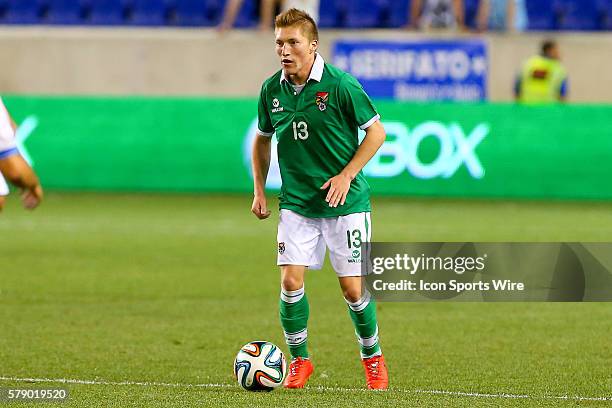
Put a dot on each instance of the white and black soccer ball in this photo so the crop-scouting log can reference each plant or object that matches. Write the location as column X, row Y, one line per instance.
column 260, row 366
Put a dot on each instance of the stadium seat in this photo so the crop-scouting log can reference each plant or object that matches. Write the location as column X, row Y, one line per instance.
column 64, row 12
column 332, row 13
column 190, row 13
column 198, row 12
column 23, row 12
column 364, row 13
column 247, row 16
column 471, row 12
column 577, row 15
column 604, row 8
column 214, row 11
column 148, row 12
column 106, row 12
column 396, row 13
column 541, row 15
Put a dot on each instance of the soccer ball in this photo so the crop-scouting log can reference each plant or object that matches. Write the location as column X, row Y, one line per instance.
column 260, row 366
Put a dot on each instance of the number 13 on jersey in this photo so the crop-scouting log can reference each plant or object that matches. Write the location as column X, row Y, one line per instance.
column 300, row 130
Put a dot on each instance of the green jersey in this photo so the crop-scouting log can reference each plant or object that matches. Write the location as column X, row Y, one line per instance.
column 317, row 133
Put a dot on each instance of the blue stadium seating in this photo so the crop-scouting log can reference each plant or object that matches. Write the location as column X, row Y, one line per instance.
column 605, row 11
column 106, row 12
column 148, row 12
column 471, row 12
column 332, row 13
column 396, row 14
column 190, row 13
column 541, row 14
column 364, row 13
column 214, row 11
column 577, row 16
column 247, row 16
column 64, row 12
column 24, row 11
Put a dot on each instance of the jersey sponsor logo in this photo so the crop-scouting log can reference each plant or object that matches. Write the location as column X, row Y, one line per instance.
column 355, row 255
column 281, row 248
column 276, row 105
column 321, row 100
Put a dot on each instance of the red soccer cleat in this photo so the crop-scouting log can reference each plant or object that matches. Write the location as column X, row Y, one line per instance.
column 377, row 377
column 300, row 370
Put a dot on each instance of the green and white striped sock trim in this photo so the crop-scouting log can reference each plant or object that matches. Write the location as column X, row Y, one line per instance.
column 292, row 296
column 297, row 338
column 361, row 304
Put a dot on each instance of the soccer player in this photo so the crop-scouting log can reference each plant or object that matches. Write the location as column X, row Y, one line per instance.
column 13, row 167
column 315, row 109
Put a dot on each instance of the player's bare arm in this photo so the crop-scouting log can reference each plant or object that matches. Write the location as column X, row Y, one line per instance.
column 340, row 184
column 18, row 172
column 261, row 164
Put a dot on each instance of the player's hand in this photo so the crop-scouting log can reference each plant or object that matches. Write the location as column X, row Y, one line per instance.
column 338, row 189
column 260, row 207
column 32, row 197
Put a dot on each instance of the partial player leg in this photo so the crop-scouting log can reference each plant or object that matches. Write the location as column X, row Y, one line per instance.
column 294, row 311
column 362, row 309
column 346, row 237
column 299, row 247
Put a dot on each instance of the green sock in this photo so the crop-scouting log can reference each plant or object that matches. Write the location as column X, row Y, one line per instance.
column 363, row 314
column 294, row 313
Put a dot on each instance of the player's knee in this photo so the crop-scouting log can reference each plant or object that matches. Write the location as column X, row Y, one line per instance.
column 1, row 203
column 292, row 277
column 352, row 294
column 291, row 282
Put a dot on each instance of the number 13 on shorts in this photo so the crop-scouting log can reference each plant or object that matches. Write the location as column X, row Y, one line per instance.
column 304, row 241
column 353, row 238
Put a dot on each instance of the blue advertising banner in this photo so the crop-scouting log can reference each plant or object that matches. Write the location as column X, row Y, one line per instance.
column 439, row 70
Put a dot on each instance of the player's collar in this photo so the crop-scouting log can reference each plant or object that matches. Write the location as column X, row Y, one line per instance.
column 316, row 73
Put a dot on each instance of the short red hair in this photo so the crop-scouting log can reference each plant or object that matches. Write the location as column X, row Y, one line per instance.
column 295, row 17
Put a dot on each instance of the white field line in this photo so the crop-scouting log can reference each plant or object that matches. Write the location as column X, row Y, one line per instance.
column 339, row 389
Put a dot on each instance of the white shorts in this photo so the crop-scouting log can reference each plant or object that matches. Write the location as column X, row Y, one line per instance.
column 303, row 241
column 4, row 188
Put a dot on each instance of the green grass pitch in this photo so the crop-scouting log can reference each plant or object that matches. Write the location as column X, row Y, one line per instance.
column 166, row 288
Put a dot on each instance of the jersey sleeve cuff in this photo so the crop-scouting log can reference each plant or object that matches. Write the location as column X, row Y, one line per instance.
column 369, row 122
column 9, row 152
column 267, row 134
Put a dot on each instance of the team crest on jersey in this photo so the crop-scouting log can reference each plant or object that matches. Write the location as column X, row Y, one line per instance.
column 321, row 100
column 281, row 248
